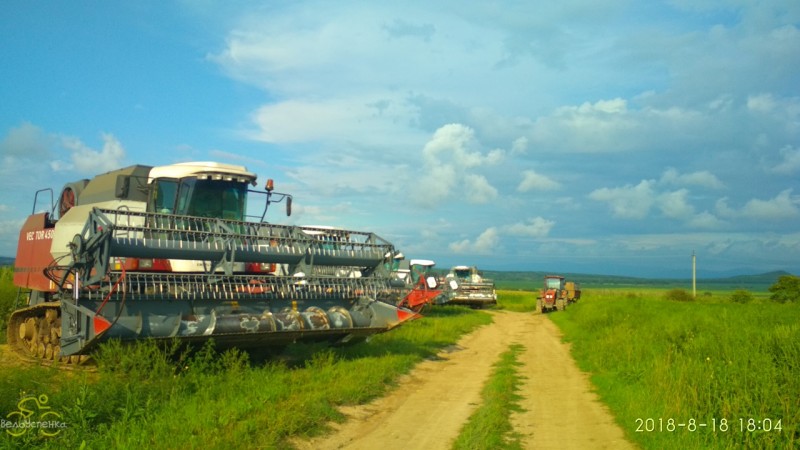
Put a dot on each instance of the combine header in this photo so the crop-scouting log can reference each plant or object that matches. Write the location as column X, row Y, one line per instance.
column 167, row 252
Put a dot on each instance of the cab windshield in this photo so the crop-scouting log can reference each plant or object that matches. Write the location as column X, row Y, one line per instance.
column 553, row 283
column 201, row 198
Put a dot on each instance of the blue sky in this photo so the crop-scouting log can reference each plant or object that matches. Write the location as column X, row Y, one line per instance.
column 614, row 138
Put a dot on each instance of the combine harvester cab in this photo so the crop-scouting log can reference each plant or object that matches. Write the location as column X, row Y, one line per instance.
column 421, row 287
column 167, row 252
column 466, row 286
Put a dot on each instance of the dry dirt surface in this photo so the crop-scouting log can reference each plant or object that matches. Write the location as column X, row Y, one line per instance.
column 428, row 407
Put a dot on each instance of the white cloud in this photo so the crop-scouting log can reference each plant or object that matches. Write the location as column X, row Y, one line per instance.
column 89, row 161
column 628, row 202
column 706, row 220
column 519, row 146
column 702, row 178
column 449, row 159
column 486, row 243
column 533, row 181
column 478, row 189
column 782, row 206
column 590, row 127
column 537, row 227
column 26, row 141
column 675, row 205
column 763, row 103
column 370, row 120
column 791, row 161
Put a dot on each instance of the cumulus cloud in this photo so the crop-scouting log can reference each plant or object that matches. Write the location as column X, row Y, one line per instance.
column 88, row 160
column 519, row 146
column 478, row 189
column 627, row 202
column 537, row 227
column 600, row 127
column 763, row 103
column 791, row 161
column 702, row 178
column 450, row 158
column 706, row 220
column 675, row 205
column 533, row 181
column 26, row 141
column 782, row 206
column 370, row 120
column 485, row 243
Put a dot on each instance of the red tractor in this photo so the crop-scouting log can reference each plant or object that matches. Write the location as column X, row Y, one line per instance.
column 557, row 294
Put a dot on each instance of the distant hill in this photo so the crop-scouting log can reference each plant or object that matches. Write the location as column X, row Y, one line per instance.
column 533, row 280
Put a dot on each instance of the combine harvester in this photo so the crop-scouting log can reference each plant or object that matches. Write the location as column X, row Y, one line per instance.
column 421, row 286
column 466, row 286
column 167, row 252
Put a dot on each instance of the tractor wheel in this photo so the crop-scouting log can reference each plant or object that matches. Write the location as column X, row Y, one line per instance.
column 538, row 306
column 560, row 304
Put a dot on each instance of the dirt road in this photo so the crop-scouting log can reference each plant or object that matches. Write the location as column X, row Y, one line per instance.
column 430, row 405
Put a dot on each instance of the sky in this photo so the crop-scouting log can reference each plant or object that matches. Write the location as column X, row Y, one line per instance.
column 610, row 137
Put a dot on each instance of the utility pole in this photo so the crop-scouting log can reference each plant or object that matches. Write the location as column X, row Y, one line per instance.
column 694, row 275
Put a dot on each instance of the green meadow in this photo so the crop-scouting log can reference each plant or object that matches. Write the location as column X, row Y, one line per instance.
column 709, row 373
column 715, row 372
column 149, row 397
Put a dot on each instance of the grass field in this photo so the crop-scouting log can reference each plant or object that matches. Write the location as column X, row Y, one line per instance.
column 143, row 396
column 490, row 425
column 664, row 368
column 705, row 374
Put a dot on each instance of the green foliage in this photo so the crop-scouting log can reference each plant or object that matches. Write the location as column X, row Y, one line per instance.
column 149, row 395
column 490, row 425
column 786, row 289
column 519, row 301
column 678, row 295
column 741, row 296
column 658, row 359
column 8, row 298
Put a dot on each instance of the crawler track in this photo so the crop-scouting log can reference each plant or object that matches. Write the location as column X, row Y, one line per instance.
column 34, row 334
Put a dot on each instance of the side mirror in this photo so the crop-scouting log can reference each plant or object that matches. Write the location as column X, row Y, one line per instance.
column 431, row 282
column 289, row 206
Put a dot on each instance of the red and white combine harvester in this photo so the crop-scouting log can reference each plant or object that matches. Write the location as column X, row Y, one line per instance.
column 169, row 252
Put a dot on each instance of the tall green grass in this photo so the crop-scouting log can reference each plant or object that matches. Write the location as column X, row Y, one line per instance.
column 490, row 425
column 147, row 396
column 518, row 301
column 691, row 363
column 8, row 298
